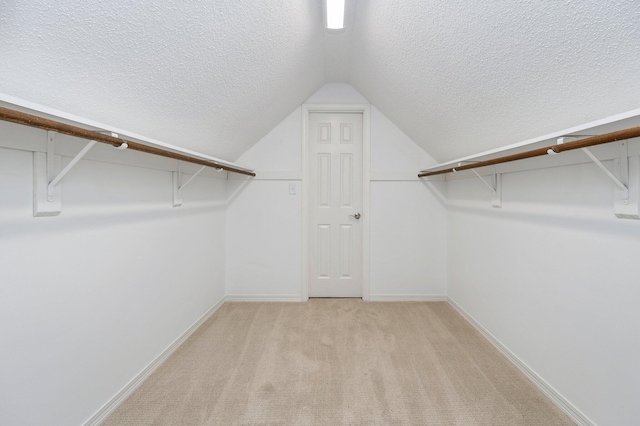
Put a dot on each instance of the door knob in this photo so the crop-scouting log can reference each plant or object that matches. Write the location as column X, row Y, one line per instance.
column 356, row 216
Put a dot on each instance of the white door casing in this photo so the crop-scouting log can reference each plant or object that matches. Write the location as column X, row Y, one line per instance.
column 334, row 147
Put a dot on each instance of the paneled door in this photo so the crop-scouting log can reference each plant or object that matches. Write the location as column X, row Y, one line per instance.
column 335, row 210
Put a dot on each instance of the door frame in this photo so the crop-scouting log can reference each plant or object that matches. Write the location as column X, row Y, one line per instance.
column 365, row 110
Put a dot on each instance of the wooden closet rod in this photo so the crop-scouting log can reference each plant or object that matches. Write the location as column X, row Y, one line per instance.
column 67, row 129
column 620, row 135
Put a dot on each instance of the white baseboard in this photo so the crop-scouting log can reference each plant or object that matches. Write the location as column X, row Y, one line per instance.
column 263, row 298
column 562, row 403
column 407, row 298
column 106, row 410
column 372, row 298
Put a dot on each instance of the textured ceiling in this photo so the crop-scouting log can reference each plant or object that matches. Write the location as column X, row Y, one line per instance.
column 457, row 76
column 211, row 76
column 463, row 76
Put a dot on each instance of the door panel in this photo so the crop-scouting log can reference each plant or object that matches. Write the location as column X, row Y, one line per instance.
column 324, row 180
column 335, row 246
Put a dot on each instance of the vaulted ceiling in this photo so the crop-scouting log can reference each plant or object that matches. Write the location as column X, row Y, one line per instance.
column 457, row 76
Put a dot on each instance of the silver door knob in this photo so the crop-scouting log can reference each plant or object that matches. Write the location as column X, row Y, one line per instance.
column 355, row 216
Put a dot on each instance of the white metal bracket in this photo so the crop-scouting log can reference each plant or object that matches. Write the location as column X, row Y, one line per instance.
column 51, row 187
column 626, row 203
column 496, row 187
column 44, row 166
column 625, row 177
column 623, row 171
column 562, row 140
column 47, row 197
column 178, row 186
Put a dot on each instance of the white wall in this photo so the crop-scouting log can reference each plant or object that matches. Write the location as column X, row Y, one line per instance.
column 264, row 220
column 408, row 242
column 553, row 276
column 263, row 241
column 408, row 219
column 89, row 298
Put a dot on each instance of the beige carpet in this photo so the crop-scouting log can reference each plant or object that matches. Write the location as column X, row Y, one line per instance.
column 337, row 362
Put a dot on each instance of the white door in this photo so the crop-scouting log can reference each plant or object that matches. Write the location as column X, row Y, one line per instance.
column 335, row 210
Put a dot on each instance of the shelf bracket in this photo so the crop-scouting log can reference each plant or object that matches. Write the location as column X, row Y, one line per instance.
column 51, row 187
column 626, row 177
column 47, row 199
column 496, row 187
column 626, row 203
column 624, row 172
column 178, row 186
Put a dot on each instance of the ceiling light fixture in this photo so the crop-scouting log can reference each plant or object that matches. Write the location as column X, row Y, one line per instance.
column 335, row 14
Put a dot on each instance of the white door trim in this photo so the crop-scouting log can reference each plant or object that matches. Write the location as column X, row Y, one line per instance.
column 365, row 109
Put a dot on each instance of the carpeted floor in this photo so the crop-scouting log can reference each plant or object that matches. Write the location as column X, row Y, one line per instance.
column 337, row 362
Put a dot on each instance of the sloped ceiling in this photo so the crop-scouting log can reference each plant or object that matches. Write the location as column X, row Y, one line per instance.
column 457, row 76
column 211, row 76
column 460, row 76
